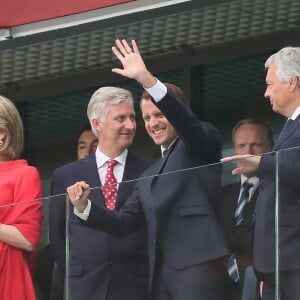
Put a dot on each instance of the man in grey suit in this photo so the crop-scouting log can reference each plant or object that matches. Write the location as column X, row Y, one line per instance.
column 102, row 266
column 283, row 91
column 176, row 195
column 255, row 137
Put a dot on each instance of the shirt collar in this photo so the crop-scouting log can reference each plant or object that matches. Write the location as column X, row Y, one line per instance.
column 162, row 149
column 102, row 158
column 295, row 114
column 254, row 180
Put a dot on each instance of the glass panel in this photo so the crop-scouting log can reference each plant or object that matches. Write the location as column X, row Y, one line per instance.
column 187, row 216
column 26, row 262
column 275, row 221
column 174, row 212
column 287, row 213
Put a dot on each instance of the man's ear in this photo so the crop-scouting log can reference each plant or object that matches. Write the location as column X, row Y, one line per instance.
column 97, row 125
column 294, row 83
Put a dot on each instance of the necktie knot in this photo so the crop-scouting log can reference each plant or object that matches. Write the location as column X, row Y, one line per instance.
column 165, row 152
column 111, row 163
column 247, row 185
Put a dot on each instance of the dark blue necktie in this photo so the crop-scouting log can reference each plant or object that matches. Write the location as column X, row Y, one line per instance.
column 242, row 202
column 286, row 125
column 232, row 268
column 165, row 152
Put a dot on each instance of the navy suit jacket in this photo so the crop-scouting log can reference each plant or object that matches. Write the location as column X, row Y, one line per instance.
column 176, row 196
column 100, row 263
column 289, row 211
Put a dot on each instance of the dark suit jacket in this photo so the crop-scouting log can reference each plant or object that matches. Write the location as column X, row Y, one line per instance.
column 100, row 263
column 179, row 207
column 289, row 213
column 239, row 238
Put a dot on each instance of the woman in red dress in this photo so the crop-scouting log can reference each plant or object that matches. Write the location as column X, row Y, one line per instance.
column 20, row 209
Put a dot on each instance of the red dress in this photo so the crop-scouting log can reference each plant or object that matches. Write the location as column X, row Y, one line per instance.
column 19, row 183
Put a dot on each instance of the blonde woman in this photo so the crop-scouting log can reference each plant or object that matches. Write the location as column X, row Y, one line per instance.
column 20, row 218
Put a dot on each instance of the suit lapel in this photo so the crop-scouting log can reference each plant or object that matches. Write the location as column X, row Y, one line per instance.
column 287, row 133
column 231, row 203
column 92, row 177
column 163, row 160
column 131, row 173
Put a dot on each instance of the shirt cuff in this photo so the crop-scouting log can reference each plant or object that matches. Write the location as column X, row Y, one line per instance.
column 85, row 214
column 158, row 91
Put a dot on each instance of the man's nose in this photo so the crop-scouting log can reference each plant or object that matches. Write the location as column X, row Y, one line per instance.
column 266, row 94
column 153, row 121
column 130, row 123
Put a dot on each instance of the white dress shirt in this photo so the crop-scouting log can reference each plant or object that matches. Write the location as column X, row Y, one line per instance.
column 101, row 161
column 254, row 180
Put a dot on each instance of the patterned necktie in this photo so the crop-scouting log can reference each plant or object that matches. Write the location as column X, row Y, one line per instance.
column 242, row 202
column 110, row 186
column 232, row 268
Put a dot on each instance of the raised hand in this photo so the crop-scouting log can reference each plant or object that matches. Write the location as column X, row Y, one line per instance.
column 132, row 62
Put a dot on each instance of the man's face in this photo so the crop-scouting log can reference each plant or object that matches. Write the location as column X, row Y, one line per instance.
column 251, row 139
column 279, row 93
column 116, row 133
column 87, row 144
column 157, row 125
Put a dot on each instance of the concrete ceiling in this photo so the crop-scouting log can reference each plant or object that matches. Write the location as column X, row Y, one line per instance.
column 64, row 53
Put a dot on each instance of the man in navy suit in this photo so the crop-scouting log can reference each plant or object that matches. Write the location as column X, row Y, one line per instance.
column 283, row 91
column 87, row 143
column 249, row 136
column 176, row 195
column 102, row 266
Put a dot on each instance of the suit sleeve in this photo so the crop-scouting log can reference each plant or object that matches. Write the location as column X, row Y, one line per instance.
column 122, row 222
column 289, row 167
column 201, row 138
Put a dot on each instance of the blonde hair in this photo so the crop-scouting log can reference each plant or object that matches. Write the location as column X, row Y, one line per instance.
column 11, row 124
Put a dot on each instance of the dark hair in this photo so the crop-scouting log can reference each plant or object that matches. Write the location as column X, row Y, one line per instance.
column 86, row 128
column 270, row 133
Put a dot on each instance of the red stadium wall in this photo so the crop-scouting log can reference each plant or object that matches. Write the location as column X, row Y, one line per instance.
column 19, row 12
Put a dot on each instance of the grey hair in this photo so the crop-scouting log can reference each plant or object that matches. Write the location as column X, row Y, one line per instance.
column 287, row 61
column 102, row 98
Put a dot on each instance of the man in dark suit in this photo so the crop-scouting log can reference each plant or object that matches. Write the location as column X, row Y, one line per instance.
column 102, row 266
column 87, row 143
column 249, row 136
column 283, row 90
column 176, row 195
